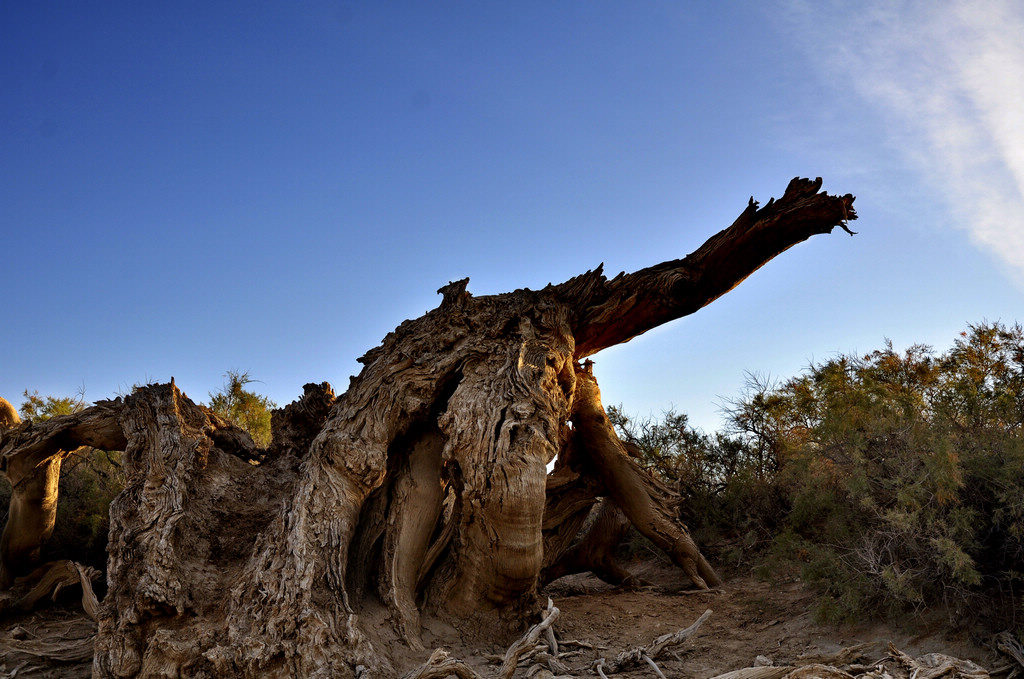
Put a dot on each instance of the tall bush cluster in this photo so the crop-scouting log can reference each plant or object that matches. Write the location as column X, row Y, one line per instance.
column 244, row 407
column 893, row 481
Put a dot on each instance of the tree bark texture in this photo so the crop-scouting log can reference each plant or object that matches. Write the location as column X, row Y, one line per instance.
column 421, row 492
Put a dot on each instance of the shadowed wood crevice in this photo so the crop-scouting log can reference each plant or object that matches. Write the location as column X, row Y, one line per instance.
column 602, row 466
column 594, row 550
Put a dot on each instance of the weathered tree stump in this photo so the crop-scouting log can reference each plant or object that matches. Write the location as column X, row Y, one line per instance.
column 421, row 491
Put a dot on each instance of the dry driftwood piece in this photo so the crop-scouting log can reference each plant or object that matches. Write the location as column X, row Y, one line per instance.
column 550, row 663
column 529, row 640
column 75, row 650
column 818, row 671
column 423, row 487
column 646, row 654
column 654, row 666
column 758, row 672
column 41, row 644
column 441, row 666
column 1008, row 645
column 47, row 581
column 935, row 665
column 90, row 603
column 843, row 656
column 898, row 665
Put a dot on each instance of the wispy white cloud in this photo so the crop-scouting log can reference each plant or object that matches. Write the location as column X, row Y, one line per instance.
column 949, row 79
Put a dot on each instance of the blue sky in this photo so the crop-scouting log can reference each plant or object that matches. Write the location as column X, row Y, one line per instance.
column 272, row 187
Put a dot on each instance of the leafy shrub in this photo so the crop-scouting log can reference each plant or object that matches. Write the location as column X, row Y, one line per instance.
column 89, row 481
column 245, row 408
column 726, row 486
column 905, row 473
column 891, row 481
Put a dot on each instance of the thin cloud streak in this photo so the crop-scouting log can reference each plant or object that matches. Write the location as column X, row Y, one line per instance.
column 947, row 78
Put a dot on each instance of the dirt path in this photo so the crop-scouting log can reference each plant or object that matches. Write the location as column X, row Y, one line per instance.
column 750, row 618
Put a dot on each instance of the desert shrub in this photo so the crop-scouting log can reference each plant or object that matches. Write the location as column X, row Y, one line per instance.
column 726, row 486
column 902, row 474
column 893, row 481
column 90, row 479
column 245, row 408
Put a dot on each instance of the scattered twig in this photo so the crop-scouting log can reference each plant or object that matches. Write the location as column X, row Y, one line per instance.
column 549, row 636
column 441, row 665
column 818, row 671
column 654, row 666
column 535, row 670
column 759, row 672
column 553, row 663
column 935, row 665
column 903, row 659
column 691, row 592
column 582, row 644
column 843, row 656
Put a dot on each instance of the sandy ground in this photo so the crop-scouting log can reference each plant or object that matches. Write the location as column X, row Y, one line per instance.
column 749, row 618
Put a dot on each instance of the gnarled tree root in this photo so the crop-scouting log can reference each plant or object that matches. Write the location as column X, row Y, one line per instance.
column 47, row 581
column 594, row 551
column 598, row 453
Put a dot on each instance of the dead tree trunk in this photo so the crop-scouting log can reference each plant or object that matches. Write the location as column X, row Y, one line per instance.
column 421, row 491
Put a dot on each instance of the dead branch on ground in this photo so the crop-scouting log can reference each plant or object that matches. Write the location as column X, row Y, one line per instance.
column 647, row 654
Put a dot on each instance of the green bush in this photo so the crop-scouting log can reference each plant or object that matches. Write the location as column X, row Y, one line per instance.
column 905, row 474
column 893, row 481
column 726, row 485
column 89, row 481
column 245, row 408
